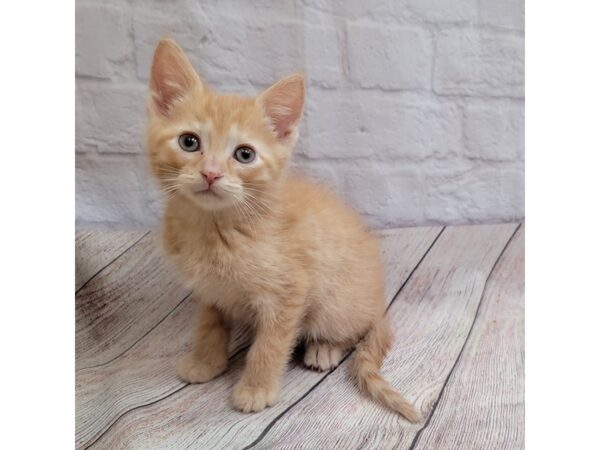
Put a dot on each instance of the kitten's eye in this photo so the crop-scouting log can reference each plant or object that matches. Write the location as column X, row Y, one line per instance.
column 189, row 142
column 244, row 154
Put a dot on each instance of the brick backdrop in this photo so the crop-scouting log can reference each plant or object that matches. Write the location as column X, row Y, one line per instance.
column 415, row 110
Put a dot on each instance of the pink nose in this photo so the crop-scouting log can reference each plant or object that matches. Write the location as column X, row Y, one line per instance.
column 211, row 177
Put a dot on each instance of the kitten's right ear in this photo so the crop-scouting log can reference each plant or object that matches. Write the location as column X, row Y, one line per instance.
column 171, row 76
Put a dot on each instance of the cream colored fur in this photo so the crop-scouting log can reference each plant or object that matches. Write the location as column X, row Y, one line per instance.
column 259, row 246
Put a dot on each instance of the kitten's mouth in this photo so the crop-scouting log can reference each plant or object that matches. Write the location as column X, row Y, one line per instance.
column 207, row 192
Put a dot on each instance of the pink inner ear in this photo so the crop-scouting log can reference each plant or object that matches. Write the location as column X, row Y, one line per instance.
column 167, row 85
column 283, row 117
column 171, row 76
column 283, row 105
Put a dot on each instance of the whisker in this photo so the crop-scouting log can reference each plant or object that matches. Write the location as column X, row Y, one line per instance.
column 247, row 218
column 262, row 205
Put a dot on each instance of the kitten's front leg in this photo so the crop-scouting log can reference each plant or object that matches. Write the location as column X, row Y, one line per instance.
column 276, row 332
column 209, row 355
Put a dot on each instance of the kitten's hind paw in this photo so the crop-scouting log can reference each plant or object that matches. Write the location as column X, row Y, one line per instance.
column 322, row 356
column 195, row 369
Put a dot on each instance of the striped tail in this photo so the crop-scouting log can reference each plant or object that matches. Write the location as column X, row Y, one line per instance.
column 369, row 356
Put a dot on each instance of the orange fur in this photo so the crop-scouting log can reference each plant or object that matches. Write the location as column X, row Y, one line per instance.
column 257, row 245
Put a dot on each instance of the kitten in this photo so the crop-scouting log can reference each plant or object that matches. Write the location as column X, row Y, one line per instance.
column 258, row 246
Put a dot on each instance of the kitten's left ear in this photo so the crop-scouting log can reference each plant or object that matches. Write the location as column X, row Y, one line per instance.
column 283, row 103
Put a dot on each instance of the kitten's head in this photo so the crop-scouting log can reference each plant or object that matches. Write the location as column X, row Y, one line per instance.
column 217, row 150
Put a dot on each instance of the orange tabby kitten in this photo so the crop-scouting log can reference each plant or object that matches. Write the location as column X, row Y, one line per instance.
column 258, row 246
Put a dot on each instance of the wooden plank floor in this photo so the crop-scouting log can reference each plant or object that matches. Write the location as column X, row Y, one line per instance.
column 455, row 298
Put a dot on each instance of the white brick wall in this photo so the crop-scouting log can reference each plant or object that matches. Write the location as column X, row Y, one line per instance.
column 414, row 112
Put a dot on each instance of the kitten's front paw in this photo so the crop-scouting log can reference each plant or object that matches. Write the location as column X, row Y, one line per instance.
column 194, row 369
column 248, row 398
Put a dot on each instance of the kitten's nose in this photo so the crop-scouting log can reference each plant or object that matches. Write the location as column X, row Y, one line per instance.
column 211, row 177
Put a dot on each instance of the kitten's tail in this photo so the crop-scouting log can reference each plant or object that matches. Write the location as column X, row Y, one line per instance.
column 370, row 353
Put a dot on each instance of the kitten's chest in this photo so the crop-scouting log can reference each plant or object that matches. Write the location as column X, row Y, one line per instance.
column 221, row 272
column 220, row 260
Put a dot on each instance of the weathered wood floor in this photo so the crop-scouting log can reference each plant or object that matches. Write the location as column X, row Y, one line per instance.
column 456, row 304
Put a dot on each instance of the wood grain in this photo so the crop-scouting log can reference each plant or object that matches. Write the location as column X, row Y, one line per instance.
column 120, row 305
column 431, row 317
column 198, row 415
column 143, row 374
column 94, row 250
column 482, row 405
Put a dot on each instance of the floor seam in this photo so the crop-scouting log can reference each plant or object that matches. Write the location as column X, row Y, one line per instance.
column 112, row 261
column 141, row 337
column 440, row 395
